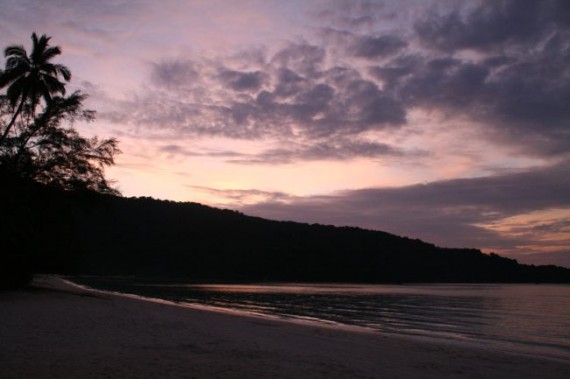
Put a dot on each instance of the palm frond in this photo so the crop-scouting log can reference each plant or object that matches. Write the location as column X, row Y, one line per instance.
column 77, row 97
column 8, row 76
column 49, row 53
column 56, row 70
column 42, row 89
column 34, row 38
column 12, row 62
column 53, row 85
column 71, row 104
column 17, row 89
column 63, row 71
column 15, row 50
column 49, row 69
column 39, row 47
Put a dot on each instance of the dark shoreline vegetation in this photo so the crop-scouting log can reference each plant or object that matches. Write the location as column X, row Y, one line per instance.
column 38, row 144
column 49, row 230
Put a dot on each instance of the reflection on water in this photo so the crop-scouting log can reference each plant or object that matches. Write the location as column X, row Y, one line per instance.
column 535, row 316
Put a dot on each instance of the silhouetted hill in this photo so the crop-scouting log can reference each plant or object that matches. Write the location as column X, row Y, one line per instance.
column 90, row 233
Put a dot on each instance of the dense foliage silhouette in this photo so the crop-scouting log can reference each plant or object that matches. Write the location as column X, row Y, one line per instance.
column 84, row 232
column 39, row 145
column 37, row 140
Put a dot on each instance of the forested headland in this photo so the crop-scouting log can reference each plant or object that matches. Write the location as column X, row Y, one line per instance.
column 84, row 232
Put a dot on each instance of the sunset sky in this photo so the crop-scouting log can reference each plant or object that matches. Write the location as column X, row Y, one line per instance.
column 444, row 120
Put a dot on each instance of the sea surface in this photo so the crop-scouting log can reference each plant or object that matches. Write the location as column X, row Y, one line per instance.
column 532, row 319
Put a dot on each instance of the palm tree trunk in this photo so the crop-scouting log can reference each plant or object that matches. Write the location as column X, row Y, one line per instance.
column 12, row 121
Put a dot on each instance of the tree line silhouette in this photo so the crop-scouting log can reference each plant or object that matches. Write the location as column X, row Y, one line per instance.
column 84, row 232
column 59, row 214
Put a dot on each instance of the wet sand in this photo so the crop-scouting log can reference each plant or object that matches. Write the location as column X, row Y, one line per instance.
column 56, row 330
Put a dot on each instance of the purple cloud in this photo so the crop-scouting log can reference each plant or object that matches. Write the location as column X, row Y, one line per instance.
column 494, row 24
column 242, row 81
column 376, row 47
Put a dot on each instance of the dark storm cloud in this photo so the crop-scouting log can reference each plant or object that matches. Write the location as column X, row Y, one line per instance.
column 495, row 23
column 303, row 58
column 289, row 83
column 375, row 47
column 339, row 102
column 448, row 212
column 393, row 73
column 520, row 96
column 242, row 81
column 517, row 86
column 440, row 83
column 174, row 73
column 372, row 105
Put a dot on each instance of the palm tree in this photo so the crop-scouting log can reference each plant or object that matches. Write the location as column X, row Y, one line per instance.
column 30, row 78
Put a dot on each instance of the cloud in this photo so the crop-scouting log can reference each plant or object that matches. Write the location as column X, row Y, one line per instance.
column 287, row 153
column 515, row 85
column 337, row 150
column 242, row 81
column 292, row 95
column 173, row 149
column 494, row 24
column 526, row 97
column 451, row 212
column 243, row 197
column 375, row 47
column 173, row 74
column 301, row 57
column 352, row 14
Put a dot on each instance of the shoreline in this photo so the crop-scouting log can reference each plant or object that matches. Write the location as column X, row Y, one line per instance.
column 227, row 311
column 503, row 347
column 60, row 330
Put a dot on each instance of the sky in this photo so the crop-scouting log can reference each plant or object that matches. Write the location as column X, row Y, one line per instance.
column 443, row 120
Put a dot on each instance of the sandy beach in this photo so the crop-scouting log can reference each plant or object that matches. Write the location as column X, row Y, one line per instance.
column 56, row 330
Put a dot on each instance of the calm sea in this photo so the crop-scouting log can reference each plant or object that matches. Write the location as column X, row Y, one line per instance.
column 533, row 319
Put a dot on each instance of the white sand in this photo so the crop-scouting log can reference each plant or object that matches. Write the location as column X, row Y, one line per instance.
column 59, row 331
